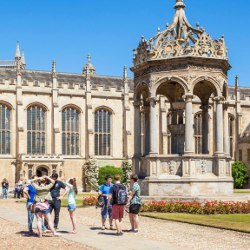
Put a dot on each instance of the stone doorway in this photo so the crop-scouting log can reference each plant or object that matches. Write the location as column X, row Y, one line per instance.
column 41, row 171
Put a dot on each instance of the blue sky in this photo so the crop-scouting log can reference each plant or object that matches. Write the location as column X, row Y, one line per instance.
column 109, row 30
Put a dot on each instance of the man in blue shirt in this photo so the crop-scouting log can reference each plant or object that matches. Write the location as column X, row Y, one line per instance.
column 30, row 192
column 106, row 210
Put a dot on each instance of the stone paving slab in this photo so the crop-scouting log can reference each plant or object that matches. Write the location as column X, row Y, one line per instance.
column 92, row 236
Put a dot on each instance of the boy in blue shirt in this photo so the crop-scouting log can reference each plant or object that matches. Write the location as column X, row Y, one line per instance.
column 106, row 210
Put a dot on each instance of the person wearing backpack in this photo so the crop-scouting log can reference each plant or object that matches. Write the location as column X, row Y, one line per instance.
column 135, row 203
column 106, row 211
column 118, row 195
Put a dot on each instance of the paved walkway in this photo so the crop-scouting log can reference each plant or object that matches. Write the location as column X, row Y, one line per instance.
column 92, row 236
column 154, row 234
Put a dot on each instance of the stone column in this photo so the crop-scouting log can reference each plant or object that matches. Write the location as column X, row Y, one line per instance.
column 164, row 144
column 219, row 125
column 153, row 127
column 142, row 134
column 226, row 136
column 89, row 150
column 56, row 140
column 189, row 125
column 205, row 129
column 137, row 130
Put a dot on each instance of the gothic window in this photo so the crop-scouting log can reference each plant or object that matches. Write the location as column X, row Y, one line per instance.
column 198, row 133
column 70, row 131
column 102, row 132
column 36, row 131
column 231, row 134
column 4, row 130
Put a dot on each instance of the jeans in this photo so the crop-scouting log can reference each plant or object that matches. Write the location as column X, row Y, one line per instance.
column 30, row 217
column 106, row 211
column 56, row 206
column 5, row 193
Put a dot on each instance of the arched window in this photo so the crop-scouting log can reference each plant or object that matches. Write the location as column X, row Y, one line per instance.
column 4, row 129
column 231, row 134
column 102, row 132
column 198, row 133
column 70, row 131
column 36, row 131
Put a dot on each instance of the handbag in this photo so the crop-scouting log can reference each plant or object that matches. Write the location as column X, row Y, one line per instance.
column 32, row 208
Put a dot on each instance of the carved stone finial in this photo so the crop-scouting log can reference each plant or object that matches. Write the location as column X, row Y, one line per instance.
column 179, row 4
column 18, row 54
column 89, row 58
column 237, row 81
column 23, row 59
column 54, row 67
column 125, row 73
column 88, row 68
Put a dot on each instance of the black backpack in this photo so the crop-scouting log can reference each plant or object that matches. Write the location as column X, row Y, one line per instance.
column 100, row 201
column 121, row 195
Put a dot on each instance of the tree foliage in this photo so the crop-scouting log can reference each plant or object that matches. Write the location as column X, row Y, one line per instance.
column 109, row 170
column 239, row 172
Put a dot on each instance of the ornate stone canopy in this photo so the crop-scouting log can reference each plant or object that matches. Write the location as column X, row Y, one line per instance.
column 180, row 39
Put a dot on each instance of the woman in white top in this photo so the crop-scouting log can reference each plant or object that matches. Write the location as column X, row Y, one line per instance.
column 72, row 191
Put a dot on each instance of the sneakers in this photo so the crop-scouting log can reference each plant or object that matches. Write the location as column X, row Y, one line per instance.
column 56, row 235
column 110, row 228
column 119, row 234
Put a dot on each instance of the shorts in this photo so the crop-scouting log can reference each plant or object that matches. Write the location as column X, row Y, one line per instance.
column 134, row 208
column 106, row 211
column 38, row 210
column 117, row 212
column 71, row 207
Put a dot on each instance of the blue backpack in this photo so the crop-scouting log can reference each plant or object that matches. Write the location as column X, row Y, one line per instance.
column 121, row 196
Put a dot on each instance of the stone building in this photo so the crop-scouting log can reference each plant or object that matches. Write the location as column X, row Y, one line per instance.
column 191, row 122
column 178, row 119
column 54, row 122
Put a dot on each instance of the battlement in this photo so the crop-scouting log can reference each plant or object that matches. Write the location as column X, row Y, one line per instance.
column 33, row 80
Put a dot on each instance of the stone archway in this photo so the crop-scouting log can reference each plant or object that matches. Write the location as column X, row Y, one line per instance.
column 174, row 93
column 41, row 171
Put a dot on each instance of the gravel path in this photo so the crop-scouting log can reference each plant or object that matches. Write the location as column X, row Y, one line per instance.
column 13, row 236
column 182, row 235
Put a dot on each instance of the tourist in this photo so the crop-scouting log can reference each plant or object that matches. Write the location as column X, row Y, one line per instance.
column 19, row 190
column 55, row 203
column 72, row 192
column 30, row 193
column 135, row 203
column 16, row 190
column 106, row 211
column 42, row 199
column 5, row 188
column 118, row 194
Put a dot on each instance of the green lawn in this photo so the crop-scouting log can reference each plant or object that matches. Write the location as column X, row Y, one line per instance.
column 242, row 191
column 64, row 203
column 238, row 222
column 79, row 199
